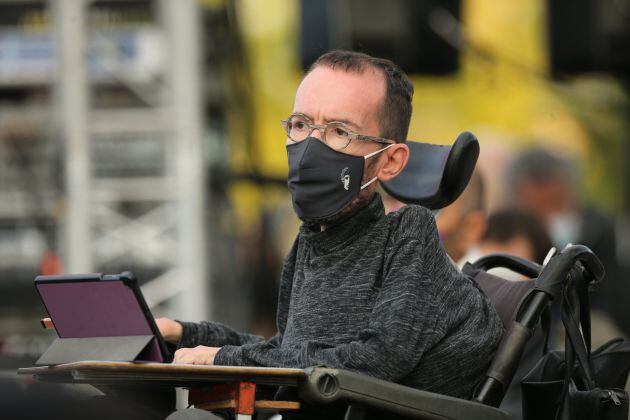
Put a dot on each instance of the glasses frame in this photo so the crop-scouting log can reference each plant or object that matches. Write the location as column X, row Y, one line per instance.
column 323, row 127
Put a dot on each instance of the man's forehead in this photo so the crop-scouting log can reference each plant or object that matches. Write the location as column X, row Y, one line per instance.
column 334, row 94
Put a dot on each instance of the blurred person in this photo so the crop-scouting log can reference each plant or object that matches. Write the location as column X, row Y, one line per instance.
column 462, row 224
column 546, row 185
column 360, row 290
column 516, row 232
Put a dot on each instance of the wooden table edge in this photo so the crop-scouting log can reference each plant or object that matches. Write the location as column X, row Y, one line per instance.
column 148, row 367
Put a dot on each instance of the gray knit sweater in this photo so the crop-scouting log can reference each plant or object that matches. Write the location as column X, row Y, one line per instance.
column 375, row 294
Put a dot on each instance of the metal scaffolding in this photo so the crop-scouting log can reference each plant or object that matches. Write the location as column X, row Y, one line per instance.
column 170, row 230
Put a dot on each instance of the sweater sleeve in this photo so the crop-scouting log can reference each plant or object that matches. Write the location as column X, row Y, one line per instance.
column 402, row 326
column 213, row 334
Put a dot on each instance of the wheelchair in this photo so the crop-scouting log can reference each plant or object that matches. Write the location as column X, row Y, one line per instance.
column 435, row 177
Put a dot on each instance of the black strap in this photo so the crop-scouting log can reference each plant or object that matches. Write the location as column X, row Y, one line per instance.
column 581, row 286
column 545, row 325
column 575, row 344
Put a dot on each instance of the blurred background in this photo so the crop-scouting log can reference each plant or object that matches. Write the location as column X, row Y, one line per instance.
column 145, row 135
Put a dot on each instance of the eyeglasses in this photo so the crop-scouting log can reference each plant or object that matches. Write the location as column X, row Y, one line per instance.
column 335, row 134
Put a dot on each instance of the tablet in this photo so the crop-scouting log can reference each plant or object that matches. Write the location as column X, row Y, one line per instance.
column 98, row 305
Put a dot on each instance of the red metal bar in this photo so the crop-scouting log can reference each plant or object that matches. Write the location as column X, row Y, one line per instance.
column 246, row 398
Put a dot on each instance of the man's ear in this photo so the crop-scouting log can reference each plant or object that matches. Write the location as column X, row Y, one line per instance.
column 396, row 158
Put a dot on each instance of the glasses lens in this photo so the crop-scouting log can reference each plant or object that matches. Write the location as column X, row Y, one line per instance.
column 337, row 136
column 298, row 128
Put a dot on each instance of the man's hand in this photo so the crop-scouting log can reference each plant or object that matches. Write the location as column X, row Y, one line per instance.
column 200, row 355
column 171, row 330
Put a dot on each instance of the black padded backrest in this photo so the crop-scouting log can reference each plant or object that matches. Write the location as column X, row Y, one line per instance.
column 505, row 295
column 435, row 176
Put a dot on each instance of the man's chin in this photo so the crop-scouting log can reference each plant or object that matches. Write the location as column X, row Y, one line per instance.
column 360, row 201
column 326, row 221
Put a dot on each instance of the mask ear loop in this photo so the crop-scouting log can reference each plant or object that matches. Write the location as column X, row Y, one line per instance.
column 366, row 157
column 369, row 182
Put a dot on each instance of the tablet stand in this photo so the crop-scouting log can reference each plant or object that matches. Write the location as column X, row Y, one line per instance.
column 120, row 349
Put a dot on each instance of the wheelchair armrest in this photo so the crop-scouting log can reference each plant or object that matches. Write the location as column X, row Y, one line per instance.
column 324, row 385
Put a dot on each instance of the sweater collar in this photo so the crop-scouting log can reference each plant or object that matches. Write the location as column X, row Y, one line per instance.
column 346, row 230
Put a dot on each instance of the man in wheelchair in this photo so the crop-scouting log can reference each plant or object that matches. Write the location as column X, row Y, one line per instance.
column 360, row 290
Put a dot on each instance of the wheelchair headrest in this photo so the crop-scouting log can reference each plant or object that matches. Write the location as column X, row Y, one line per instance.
column 435, row 176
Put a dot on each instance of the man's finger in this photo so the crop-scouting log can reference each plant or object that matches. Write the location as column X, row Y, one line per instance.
column 184, row 359
column 199, row 355
column 180, row 354
column 47, row 323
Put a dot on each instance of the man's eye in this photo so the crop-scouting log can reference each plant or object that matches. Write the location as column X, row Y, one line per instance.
column 299, row 125
column 341, row 132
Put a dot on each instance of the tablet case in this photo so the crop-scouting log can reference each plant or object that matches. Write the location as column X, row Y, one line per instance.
column 116, row 349
column 98, row 317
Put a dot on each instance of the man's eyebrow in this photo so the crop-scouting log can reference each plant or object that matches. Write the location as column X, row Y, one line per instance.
column 344, row 121
column 328, row 120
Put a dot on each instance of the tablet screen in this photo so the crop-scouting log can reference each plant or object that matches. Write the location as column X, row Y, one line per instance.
column 97, row 308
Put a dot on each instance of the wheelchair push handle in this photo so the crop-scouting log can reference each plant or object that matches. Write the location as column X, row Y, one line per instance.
column 553, row 277
column 554, row 274
column 549, row 284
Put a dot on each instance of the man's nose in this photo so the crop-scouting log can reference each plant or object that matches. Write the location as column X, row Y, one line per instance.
column 318, row 133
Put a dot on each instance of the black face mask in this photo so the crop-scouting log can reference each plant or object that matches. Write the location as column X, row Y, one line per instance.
column 323, row 181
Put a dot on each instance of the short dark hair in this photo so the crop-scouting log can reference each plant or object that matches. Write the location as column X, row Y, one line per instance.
column 539, row 165
column 395, row 113
column 507, row 224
